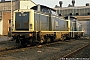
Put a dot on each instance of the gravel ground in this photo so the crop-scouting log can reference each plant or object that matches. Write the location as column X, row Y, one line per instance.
column 85, row 53
column 50, row 52
column 6, row 43
column 4, row 38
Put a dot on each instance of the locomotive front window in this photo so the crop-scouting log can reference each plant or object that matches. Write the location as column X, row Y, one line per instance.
column 45, row 10
column 22, row 21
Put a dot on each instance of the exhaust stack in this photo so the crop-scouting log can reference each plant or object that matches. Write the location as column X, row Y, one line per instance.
column 87, row 4
column 60, row 2
column 73, row 3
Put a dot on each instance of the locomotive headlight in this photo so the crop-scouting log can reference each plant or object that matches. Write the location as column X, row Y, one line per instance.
column 30, row 35
column 30, row 26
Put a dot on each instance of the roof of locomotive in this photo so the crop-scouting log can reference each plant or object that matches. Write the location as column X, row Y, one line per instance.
column 42, row 6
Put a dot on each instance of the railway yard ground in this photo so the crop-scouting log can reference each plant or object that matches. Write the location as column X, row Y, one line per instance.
column 53, row 51
column 6, row 43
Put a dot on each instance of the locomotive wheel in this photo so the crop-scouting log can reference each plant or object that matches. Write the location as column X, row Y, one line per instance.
column 63, row 38
column 23, row 43
column 52, row 39
column 48, row 40
column 17, row 41
column 30, row 41
column 42, row 40
column 33, row 42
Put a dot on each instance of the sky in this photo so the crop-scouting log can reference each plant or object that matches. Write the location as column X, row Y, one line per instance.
column 52, row 3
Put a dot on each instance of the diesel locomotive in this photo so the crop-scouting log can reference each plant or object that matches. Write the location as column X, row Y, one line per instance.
column 34, row 27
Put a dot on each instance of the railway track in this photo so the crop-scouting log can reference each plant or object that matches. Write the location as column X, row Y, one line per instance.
column 75, row 51
column 14, row 49
column 18, row 48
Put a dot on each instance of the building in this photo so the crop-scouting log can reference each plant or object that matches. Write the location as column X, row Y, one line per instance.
column 74, row 11
column 82, row 13
column 16, row 4
column 4, row 22
column 5, row 12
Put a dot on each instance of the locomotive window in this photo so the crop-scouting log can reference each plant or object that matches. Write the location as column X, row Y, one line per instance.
column 21, row 21
column 45, row 10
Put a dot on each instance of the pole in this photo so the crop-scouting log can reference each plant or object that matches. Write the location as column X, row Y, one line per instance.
column 59, row 10
column 36, row 29
column 73, row 22
column 4, row 6
column 11, row 18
